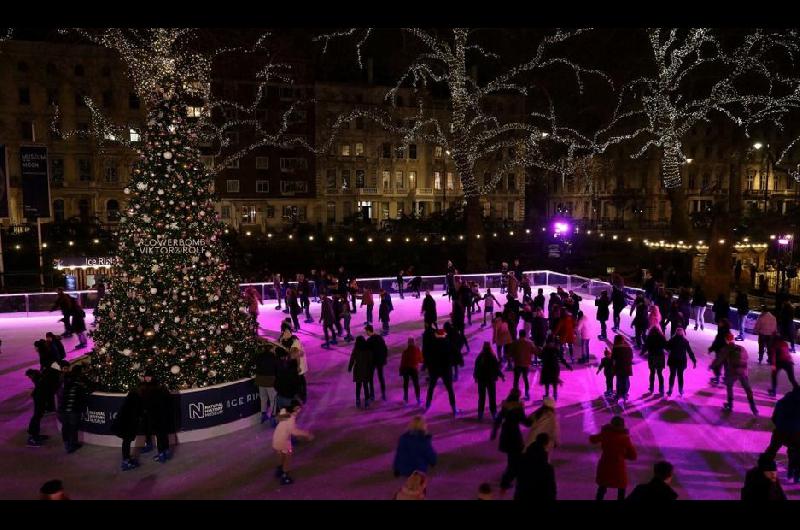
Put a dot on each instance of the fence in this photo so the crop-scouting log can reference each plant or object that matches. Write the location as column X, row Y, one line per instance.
column 26, row 303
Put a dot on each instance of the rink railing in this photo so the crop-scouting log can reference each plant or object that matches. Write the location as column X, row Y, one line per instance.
column 26, row 303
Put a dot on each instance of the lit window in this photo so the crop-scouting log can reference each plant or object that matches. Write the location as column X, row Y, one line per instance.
column 262, row 186
column 359, row 149
column 134, row 136
column 450, row 181
column 232, row 186
column 345, row 150
column 437, row 151
column 194, row 112
column 226, row 211
column 437, row 180
column 262, row 162
column 399, row 182
column 208, row 161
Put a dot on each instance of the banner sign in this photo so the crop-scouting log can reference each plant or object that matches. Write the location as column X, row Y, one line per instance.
column 196, row 409
column 5, row 210
column 171, row 246
column 82, row 262
column 35, row 183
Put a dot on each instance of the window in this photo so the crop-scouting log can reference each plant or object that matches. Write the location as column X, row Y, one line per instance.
column 359, row 122
column 400, row 209
column 298, row 116
column 345, row 179
column 384, row 210
column 331, row 212
column 24, row 96
column 437, row 151
column 359, row 149
column 58, row 210
column 112, row 210
column 133, row 101
column 412, row 151
column 83, row 210
column 225, row 212
column 262, row 186
column 289, row 165
column 399, row 181
column 208, row 161
column 511, row 210
column 108, row 98
column 52, row 96
column 360, row 178
column 232, row 186
column 110, row 172
column 437, row 180
column 22, row 66
column 79, row 70
column 57, row 171
column 270, row 212
column 248, row 214
column 512, row 182
column 345, row 150
column 692, row 179
column 386, row 150
column 84, row 170
column 232, row 164
column 412, row 179
column 706, row 180
column 26, row 130
column 450, row 181
column 134, row 136
column 262, row 162
column 386, row 180
column 330, row 180
column 291, row 187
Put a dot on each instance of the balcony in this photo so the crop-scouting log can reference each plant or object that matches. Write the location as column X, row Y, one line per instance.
column 368, row 191
column 423, row 192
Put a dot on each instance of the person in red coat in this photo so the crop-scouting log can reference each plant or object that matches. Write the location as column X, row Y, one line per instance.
column 617, row 447
column 565, row 331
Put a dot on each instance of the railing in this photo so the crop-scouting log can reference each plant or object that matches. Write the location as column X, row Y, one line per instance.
column 368, row 191
column 424, row 191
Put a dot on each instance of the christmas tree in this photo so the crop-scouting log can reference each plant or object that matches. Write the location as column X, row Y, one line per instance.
column 173, row 306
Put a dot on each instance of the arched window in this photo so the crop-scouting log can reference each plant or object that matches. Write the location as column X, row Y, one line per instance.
column 58, row 210
column 112, row 210
column 83, row 210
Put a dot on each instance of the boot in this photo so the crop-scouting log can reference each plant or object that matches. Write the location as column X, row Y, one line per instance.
column 286, row 480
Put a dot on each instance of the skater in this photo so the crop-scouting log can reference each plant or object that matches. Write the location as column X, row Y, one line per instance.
column 327, row 316
column 675, row 318
column 503, row 277
column 438, row 363
column 766, row 326
column 582, row 337
column 384, row 310
column 415, row 450
column 429, row 310
column 409, row 369
column 527, row 318
column 602, row 304
column 415, row 285
column 511, row 315
column 276, row 285
column 551, row 356
column 54, row 341
column 362, row 368
column 617, row 447
column 640, row 321
column 685, row 306
column 464, row 300
column 544, row 420
column 781, row 359
column 622, row 357
column 719, row 342
column 293, row 307
column 658, row 489
column 525, row 285
column 457, row 342
column 486, row 372
column 678, row 348
column 288, row 385
column 368, row 301
column 539, row 328
column 536, row 478
column 786, row 418
column 721, row 308
column 734, row 359
column 619, row 301
column 654, row 346
column 53, row 490
column 607, row 367
column 40, row 395
column 699, row 304
column 126, row 426
column 266, row 363
column 742, row 309
column 298, row 355
column 488, row 305
column 538, row 300
column 79, row 325
column 565, row 331
column 303, row 293
column 761, row 482
column 522, row 353
column 512, row 284
column 282, row 438
column 400, row 283
column 344, row 316
column 74, row 397
column 786, row 323
column 380, row 353
column 253, row 300
column 511, row 415
column 501, row 338
column 65, row 303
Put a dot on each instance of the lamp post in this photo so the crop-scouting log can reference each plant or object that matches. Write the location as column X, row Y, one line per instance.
column 766, row 159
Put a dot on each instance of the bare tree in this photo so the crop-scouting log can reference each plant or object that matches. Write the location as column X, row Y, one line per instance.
column 472, row 133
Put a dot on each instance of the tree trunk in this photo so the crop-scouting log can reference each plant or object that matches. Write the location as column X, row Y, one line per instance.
column 680, row 227
column 476, row 247
column 717, row 279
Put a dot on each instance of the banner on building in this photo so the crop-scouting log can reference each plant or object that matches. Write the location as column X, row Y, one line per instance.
column 5, row 209
column 35, row 181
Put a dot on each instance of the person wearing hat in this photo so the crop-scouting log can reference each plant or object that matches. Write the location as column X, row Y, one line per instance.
column 544, row 420
column 53, row 490
column 734, row 359
column 612, row 471
column 282, row 440
column 761, row 482
column 766, row 326
column 658, row 489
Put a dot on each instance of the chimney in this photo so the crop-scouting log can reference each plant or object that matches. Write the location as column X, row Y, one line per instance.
column 369, row 70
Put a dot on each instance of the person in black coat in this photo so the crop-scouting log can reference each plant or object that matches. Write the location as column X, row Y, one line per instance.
column 54, row 341
column 658, row 489
column 538, row 300
column 551, row 356
column 266, row 369
column 288, row 384
column 487, row 372
column 678, row 348
column 380, row 355
column 699, row 303
column 327, row 316
column 74, row 396
column 429, row 310
column 536, row 477
column 40, row 396
column 721, row 308
column 742, row 309
column 640, row 320
column 786, row 323
column 438, row 360
column 457, row 343
column 761, row 482
column 619, row 300
column 539, row 328
column 126, row 426
column 602, row 304
column 654, row 345
column 508, row 420
column 361, row 359
column 156, row 415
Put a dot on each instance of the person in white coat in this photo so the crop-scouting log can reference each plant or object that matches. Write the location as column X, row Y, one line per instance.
column 544, row 420
column 582, row 332
column 299, row 355
column 766, row 326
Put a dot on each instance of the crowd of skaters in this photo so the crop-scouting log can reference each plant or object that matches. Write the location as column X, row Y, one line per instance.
column 542, row 344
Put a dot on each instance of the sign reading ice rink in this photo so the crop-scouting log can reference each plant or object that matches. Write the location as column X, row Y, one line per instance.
column 192, row 409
